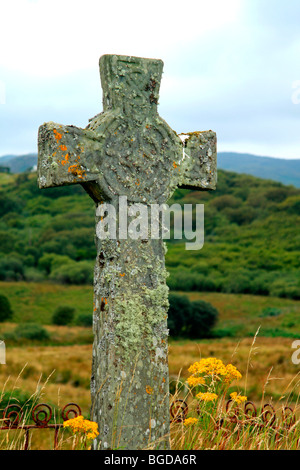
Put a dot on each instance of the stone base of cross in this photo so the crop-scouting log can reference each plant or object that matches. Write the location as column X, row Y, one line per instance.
column 128, row 150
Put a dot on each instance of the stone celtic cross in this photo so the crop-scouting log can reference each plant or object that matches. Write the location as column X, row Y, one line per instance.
column 128, row 150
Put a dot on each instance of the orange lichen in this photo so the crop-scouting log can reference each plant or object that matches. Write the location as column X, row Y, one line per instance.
column 63, row 148
column 63, row 162
column 58, row 136
column 122, row 275
column 76, row 170
column 149, row 390
column 137, row 182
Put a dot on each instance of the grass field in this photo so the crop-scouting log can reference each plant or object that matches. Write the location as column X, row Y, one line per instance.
column 240, row 315
column 67, row 369
column 59, row 370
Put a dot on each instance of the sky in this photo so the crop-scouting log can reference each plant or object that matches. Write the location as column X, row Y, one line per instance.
column 231, row 66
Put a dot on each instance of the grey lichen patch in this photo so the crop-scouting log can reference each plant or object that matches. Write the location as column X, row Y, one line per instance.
column 199, row 160
column 138, row 317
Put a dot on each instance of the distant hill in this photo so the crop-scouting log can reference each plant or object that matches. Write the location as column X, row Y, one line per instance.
column 276, row 169
column 19, row 164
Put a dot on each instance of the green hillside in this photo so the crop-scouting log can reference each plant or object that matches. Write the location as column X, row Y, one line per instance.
column 252, row 240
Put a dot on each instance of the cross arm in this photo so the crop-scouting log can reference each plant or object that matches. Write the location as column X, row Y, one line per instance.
column 66, row 155
column 199, row 160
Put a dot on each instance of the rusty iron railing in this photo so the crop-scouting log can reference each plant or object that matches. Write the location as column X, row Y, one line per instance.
column 41, row 415
column 267, row 417
column 14, row 419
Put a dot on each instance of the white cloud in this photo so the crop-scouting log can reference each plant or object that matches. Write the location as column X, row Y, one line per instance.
column 54, row 38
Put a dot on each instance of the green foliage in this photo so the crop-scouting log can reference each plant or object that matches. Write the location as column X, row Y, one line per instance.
column 19, row 397
column 5, row 309
column 252, row 244
column 190, row 319
column 271, row 312
column 84, row 320
column 30, row 331
column 11, row 268
column 63, row 315
column 202, row 318
column 179, row 311
column 73, row 273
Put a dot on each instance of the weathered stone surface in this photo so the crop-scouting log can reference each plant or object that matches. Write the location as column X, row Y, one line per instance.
column 128, row 150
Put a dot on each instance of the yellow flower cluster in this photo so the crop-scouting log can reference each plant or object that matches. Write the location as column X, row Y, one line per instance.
column 215, row 368
column 207, row 396
column 232, row 373
column 209, row 366
column 194, row 381
column 238, row 398
column 84, row 426
column 190, row 422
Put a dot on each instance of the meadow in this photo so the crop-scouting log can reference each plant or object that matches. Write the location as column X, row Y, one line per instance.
column 240, row 314
column 64, row 359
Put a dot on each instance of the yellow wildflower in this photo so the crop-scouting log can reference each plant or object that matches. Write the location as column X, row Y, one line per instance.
column 207, row 396
column 84, row 426
column 190, row 422
column 232, row 373
column 213, row 368
column 210, row 366
column 237, row 398
column 194, row 381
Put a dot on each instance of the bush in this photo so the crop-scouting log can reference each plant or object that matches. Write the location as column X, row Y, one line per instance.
column 271, row 312
column 237, row 282
column 74, row 273
column 31, row 331
column 5, row 309
column 11, row 268
column 179, row 311
column 187, row 281
column 84, row 319
column 190, row 319
column 63, row 315
column 202, row 318
column 33, row 275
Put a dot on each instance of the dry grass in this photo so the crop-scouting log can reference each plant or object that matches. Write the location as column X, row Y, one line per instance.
column 270, row 359
column 61, row 374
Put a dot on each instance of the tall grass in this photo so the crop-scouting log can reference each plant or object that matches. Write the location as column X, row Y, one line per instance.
column 225, row 422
